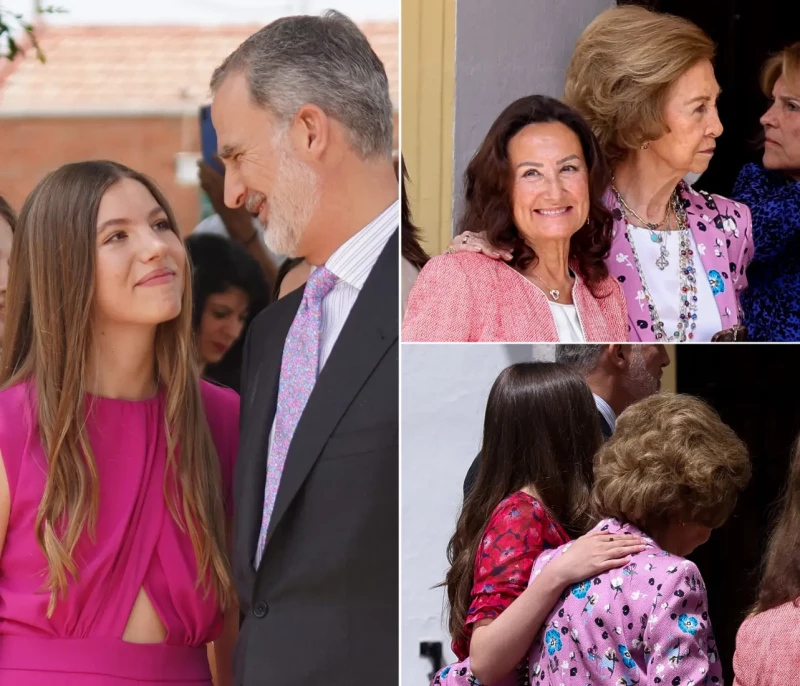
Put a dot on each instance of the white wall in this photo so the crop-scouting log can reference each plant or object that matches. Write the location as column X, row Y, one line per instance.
column 444, row 390
column 504, row 54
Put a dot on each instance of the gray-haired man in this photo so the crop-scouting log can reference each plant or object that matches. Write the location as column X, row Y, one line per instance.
column 304, row 127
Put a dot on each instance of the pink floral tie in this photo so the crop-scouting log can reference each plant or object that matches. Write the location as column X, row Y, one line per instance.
column 299, row 369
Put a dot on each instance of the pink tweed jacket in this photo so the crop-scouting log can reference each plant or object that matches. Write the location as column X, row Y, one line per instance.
column 768, row 648
column 468, row 297
column 722, row 230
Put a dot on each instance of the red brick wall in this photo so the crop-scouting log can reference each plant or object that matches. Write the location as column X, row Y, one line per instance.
column 30, row 148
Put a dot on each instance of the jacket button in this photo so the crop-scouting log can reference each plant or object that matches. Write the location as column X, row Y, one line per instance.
column 260, row 609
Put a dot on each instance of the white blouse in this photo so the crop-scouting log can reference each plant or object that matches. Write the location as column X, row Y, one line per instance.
column 567, row 323
column 665, row 286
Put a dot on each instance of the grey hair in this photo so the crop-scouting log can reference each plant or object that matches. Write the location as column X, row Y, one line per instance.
column 582, row 358
column 325, row 61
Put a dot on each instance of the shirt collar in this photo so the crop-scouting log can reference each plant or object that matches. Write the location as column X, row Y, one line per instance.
column 353, row 261
column 605, row 409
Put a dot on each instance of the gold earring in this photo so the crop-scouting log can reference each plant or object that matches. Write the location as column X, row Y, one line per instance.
column 645, row 145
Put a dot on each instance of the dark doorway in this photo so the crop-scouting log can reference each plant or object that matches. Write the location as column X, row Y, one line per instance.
column 746, row 33
column 754, row 388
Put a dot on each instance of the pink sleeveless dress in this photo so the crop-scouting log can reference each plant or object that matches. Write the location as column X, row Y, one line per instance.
column 138, row 545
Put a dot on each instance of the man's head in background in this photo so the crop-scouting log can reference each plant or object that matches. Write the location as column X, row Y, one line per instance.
column 620, row 374
column 304, row 121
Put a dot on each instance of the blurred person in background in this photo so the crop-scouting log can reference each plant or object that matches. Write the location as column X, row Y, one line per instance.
column 768, row 642
column 292, row 274
column 116, row 460
column 7, row 222
column 236, row 223
column 304, row 125
column 230, row 289
column 772, row 191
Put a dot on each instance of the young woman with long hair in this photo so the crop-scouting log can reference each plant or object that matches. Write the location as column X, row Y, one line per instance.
column 768, row 642
column 117, row 461
column 540, row 434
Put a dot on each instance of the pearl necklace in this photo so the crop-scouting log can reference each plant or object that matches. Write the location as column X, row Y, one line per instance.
column 687, row 322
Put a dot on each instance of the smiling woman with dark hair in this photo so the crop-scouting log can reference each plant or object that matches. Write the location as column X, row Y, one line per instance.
column 535, row 187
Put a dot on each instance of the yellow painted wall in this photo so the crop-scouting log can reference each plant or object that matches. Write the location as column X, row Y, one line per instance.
column 428, row 89
column 668, row 378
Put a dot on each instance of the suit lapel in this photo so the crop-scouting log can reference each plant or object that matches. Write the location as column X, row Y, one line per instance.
column 705, row 224
column 622, row 266
column 370, row 330
column 259, row 402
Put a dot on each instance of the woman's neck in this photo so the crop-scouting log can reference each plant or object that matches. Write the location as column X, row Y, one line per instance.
column 551, row 264
column 646, row 185
column 122, row 362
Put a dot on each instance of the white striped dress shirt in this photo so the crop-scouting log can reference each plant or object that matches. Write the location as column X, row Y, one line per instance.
column 352, row 262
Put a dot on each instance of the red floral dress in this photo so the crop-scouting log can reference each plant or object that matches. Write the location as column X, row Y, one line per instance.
column 517, row 533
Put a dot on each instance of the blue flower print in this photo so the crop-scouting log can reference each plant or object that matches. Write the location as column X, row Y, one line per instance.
column 444, row 672
column 553, row 640
column 580, row 590
column 627, row 660
column 687, row 624
column 717, row 284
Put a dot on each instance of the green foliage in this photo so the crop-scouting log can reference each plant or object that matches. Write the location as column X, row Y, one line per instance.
column 13, row 26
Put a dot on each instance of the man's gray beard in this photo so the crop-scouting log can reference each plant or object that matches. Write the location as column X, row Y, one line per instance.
column 640, row 383
column 291, row 205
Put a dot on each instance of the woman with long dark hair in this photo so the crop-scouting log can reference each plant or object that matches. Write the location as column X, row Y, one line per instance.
column 768, row 642
column 535, row 187
column 540, row 435
column 116, row 461
column 413, row 255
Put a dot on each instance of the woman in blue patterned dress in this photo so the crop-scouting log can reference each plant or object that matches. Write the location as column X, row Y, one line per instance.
column 772, row 191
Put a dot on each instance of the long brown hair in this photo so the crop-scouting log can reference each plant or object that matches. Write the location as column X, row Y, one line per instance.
column 541, row 429
column 411, row 248
column 780, row 577
column 7, row 213
column 49, row 334
column 487, row 188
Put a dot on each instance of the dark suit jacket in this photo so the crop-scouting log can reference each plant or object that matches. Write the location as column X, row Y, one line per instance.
column 472, row 472
column 322, row 608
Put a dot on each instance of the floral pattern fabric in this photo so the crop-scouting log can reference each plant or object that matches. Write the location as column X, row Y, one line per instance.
column 722, row 231
column 645, row 624
column 517, row 533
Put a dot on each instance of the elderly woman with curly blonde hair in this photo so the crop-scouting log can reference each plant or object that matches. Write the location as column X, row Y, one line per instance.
column 670, row 474
column 645, row 83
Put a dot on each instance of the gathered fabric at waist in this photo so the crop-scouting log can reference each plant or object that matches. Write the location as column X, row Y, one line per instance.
column 105, row 656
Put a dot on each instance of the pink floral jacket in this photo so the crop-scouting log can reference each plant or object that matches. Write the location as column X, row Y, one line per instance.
column 645, row 624
column 722, row 230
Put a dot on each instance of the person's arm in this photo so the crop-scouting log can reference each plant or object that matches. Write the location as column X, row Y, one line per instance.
column 238, row 221
column 499, row 644
column 225, row 643
column 680, row 625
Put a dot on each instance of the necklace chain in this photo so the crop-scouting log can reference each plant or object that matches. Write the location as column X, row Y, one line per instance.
column 687, row 315
column 555, row 293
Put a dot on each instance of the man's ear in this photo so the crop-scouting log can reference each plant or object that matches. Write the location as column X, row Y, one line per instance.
column 310, row 133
